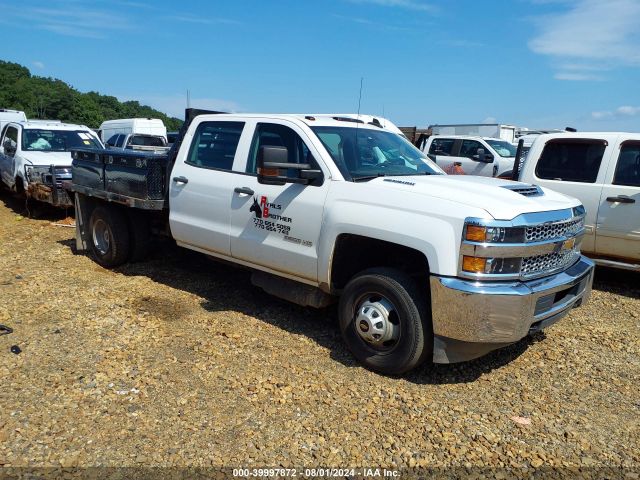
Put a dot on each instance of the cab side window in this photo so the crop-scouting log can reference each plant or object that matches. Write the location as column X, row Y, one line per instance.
column 112, row 140
column 214, row 145
column 120, row 140
column 441, row 146
column 470, row 148
column 274, row 135
column 628, row 167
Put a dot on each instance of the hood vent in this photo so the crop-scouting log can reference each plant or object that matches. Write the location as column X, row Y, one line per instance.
column 526, row 190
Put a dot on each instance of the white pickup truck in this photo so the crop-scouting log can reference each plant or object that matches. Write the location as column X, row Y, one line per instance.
column 35, row 158
column 425, row 265
column 467, row 155
column 602, row 170
column 137, row 141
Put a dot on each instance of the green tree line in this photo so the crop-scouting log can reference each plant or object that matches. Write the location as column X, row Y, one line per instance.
column 50, row 98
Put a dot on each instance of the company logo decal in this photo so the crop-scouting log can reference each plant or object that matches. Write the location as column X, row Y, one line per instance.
column 255, row 208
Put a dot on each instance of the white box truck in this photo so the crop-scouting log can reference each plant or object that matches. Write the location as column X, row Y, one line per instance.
column 493, row 130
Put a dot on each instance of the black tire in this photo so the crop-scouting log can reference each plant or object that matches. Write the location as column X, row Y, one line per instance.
column 109, row 236
column 140, row 235
column 412, row 316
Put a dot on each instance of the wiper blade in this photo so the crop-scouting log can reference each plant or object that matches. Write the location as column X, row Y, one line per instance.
column 365, row 178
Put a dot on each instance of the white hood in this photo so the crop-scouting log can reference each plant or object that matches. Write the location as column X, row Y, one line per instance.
column 487, row 193
column 59, row 159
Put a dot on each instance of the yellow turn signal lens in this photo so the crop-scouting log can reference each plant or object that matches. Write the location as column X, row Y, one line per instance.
column 476, row 234
column 474, row 264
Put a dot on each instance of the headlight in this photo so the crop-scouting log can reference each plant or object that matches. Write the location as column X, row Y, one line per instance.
column 482, row 234
column 494, row 266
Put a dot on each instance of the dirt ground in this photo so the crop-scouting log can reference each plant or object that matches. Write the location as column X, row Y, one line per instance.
column 180, row 361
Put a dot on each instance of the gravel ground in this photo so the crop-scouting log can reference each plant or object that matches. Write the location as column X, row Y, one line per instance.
column 179, row 361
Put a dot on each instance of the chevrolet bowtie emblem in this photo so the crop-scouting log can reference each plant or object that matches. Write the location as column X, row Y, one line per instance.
column 564, row 245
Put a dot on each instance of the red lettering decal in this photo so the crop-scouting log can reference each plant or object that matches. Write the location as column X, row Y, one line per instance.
column 265, row 209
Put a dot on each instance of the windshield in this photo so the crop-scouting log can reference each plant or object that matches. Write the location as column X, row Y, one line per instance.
column 502, row 148
column 362, row 153
column 42, row 140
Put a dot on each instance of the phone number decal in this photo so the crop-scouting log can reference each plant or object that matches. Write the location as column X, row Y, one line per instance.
column 271, row 226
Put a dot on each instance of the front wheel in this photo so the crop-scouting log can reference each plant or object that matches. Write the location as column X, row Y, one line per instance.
column 385, row 321
column 109, row 234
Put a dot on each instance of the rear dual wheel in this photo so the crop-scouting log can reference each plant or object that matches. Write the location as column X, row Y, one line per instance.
column 109, row 236
column 385, row 321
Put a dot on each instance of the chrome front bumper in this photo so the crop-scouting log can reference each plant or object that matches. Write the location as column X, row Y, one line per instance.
column 471, row 318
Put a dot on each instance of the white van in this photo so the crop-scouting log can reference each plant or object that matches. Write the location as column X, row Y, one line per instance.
column 149, row 126
column 461, row 154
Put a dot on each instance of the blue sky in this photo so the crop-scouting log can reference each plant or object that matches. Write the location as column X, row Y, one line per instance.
column 533, row 63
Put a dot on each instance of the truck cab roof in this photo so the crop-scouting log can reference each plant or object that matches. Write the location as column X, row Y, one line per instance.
column 50, row 125
column 348, row 120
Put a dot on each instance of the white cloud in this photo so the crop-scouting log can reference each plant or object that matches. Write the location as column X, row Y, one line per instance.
column 620, row 112
column 490, row 120
column 577, row 77
column 386, row 26
column 627, row 110
column 204, row 20
column 174, row 105
column 38, row 65
column 591, row 35
column 407, row 4
column 69, row 18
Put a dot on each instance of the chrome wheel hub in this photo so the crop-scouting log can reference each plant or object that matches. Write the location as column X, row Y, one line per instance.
column 373, row 321
column 101, row 236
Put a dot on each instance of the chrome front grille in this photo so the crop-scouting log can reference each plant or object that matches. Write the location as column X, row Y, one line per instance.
column 549, row 231
column 62, row 174
column 529, row 246
column 545, row 264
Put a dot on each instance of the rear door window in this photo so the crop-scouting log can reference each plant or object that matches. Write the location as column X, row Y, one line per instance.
column 214, row 145
column 628, row 166
column 571, row 161
column 441, row 146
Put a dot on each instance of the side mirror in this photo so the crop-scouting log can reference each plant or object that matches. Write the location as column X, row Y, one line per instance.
column 9, row 148
column 272, row 160
column 483, row 157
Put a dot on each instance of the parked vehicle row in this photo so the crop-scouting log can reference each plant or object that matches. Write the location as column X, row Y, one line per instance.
column 330, row 209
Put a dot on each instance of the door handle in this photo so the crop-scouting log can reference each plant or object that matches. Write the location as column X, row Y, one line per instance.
column 244, row 190
column 621, row 199
column 180, row 179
